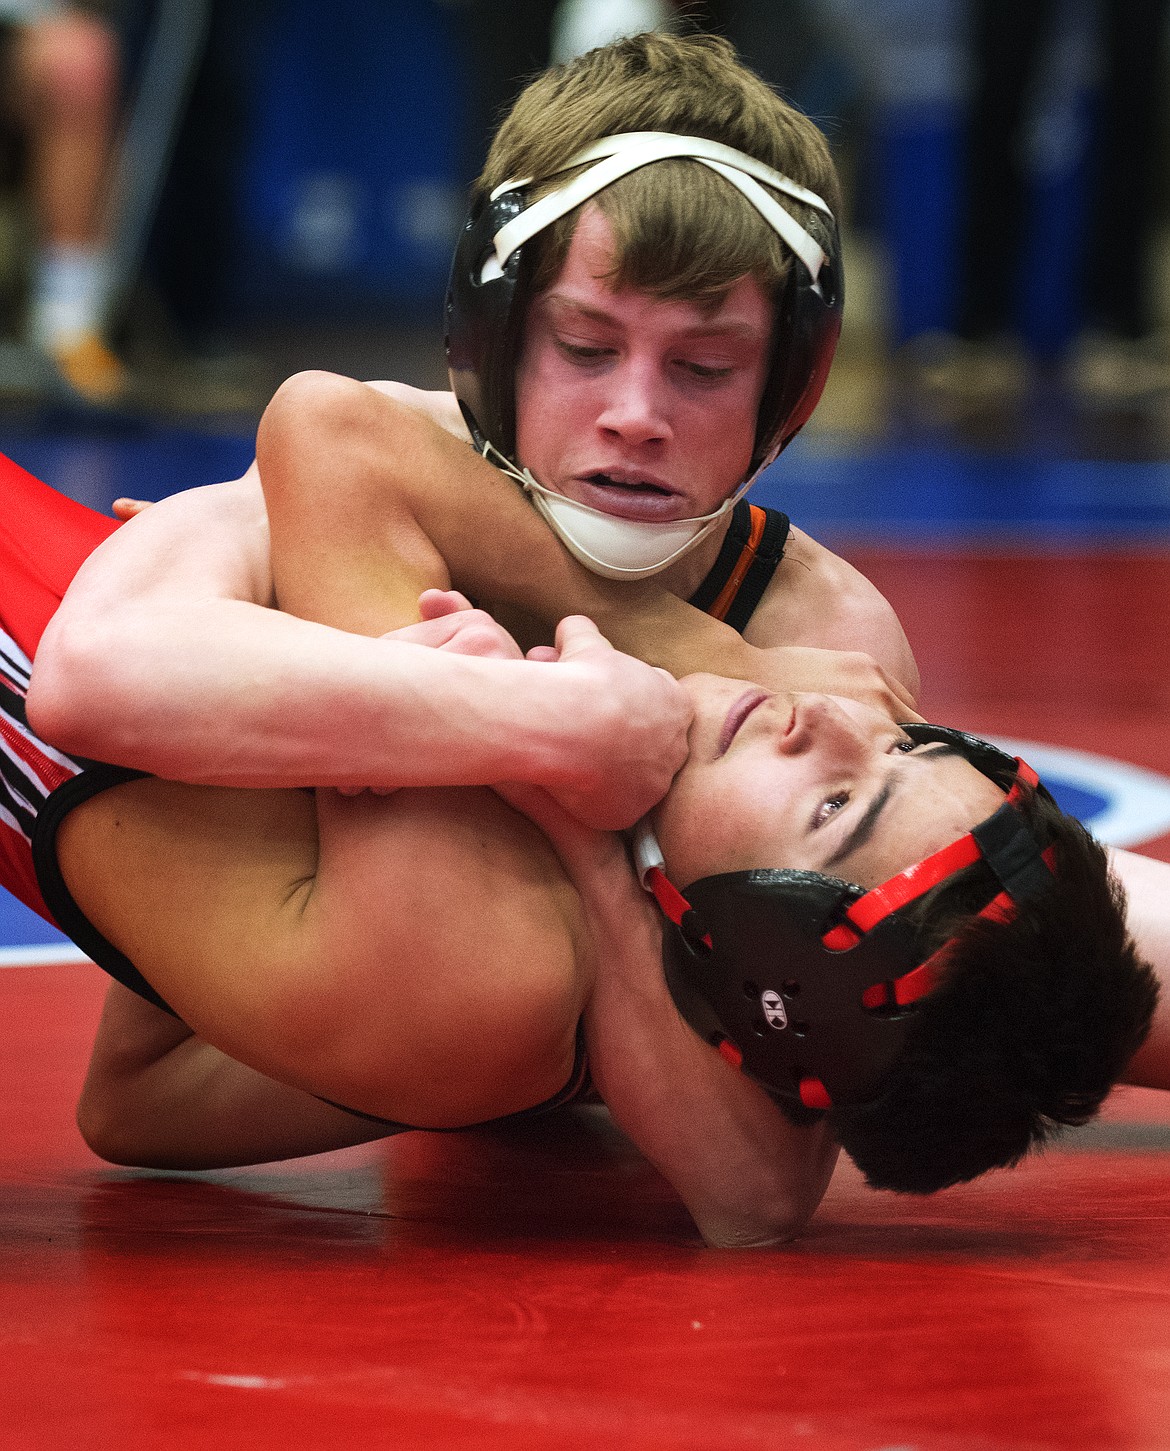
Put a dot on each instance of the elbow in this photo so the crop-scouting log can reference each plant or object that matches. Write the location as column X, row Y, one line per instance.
column 765, row 1228
column 312, row 413
column 95, row 689
column 60, row 704
column 88, row 687
column 316, row 419
column 775, row 1207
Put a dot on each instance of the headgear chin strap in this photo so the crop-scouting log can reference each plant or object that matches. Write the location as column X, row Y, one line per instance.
column 614, row 548
column 483, row 319
column 810, row 983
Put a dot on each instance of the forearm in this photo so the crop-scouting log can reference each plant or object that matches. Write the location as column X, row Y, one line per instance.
column 230, row 693
column 390, row 471
column 1147, row 885
column 167, row 656
column 158, row 1097
column 747, row 1176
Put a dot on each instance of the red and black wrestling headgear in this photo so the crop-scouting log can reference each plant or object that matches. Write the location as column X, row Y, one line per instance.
column 810, row 984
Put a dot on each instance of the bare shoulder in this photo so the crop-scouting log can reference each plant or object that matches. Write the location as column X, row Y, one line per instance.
column 439, row 406
column 212, row 539
column 818, row 599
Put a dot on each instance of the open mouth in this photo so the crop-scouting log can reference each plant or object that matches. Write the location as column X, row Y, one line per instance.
column 628, row 485
column 630, row 494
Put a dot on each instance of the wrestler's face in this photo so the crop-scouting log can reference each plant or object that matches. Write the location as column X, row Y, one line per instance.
column 643, row 408
column 810, row 781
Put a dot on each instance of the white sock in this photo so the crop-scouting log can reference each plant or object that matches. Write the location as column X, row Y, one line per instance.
column 68, row 295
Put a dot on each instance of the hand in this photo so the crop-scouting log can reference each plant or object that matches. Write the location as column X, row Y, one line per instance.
column 850, row 673
column 451, row 622
column 626, row 726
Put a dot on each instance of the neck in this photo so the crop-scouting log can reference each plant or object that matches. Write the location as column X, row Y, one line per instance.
column 685, row 575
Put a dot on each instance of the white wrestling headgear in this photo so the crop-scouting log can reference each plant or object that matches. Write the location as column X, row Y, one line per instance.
column 627, row 548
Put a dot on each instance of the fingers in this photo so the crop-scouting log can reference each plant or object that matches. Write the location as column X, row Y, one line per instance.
column 478, row 634
column 433, row 604
column 432, row 633
column 127, row 508
column 545, row 654
column 576, row 634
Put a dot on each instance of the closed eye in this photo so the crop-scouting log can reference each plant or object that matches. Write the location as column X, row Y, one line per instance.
column 584, row 352
column 706, row 372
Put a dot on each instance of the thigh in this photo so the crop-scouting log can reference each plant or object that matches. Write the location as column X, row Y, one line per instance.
column 416, row 956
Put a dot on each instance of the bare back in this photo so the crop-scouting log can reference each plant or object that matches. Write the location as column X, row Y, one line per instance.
column 264, row 917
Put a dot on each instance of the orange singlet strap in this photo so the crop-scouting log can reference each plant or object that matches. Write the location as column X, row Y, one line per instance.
column 726, row 596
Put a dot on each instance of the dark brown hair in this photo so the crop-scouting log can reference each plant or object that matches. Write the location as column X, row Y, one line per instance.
column 1032, row 1025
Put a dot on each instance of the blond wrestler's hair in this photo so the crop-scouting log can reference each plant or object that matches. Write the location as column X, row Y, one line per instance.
column 680, row 230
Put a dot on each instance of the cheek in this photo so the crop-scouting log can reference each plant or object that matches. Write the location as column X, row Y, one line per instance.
column 708, row 826
column 532, row 410
column 728, row 432
column 547, row 405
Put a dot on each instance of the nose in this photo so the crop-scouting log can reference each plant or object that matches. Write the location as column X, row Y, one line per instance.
column 821, row 726
column 635, row 409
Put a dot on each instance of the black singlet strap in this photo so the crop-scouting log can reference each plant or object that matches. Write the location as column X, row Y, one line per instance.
column 754, row 563
column 59, row 899
column 578, row 1086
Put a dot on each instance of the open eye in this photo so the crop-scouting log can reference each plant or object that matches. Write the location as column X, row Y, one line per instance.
column 829, row 808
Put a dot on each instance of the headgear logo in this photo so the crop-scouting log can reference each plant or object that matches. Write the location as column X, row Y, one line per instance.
column 773, row 1006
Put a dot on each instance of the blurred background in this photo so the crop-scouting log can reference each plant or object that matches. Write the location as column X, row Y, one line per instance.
column 212, row 195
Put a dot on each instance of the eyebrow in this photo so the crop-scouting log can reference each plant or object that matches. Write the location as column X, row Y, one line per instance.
column 700, row 330
column 864, row 828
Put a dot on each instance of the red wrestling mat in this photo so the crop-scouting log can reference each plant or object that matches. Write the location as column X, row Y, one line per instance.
column 542, row 1290
column 1069, row 649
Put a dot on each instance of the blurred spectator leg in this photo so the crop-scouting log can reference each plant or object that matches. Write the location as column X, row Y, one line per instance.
column 986, row 363
column 64, row 72
column 1120, row 358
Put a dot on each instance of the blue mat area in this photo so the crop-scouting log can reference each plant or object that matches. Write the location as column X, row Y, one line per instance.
column 21, row 928
column 914, row 492
column 923, row 493
column 142, row 462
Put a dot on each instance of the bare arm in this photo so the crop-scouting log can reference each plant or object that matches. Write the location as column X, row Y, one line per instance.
column 399, row 466
column 158, row 1097
column 748, row 1176
column 168, row 655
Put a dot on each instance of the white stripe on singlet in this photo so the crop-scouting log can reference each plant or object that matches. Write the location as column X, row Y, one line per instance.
column 29, row 769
